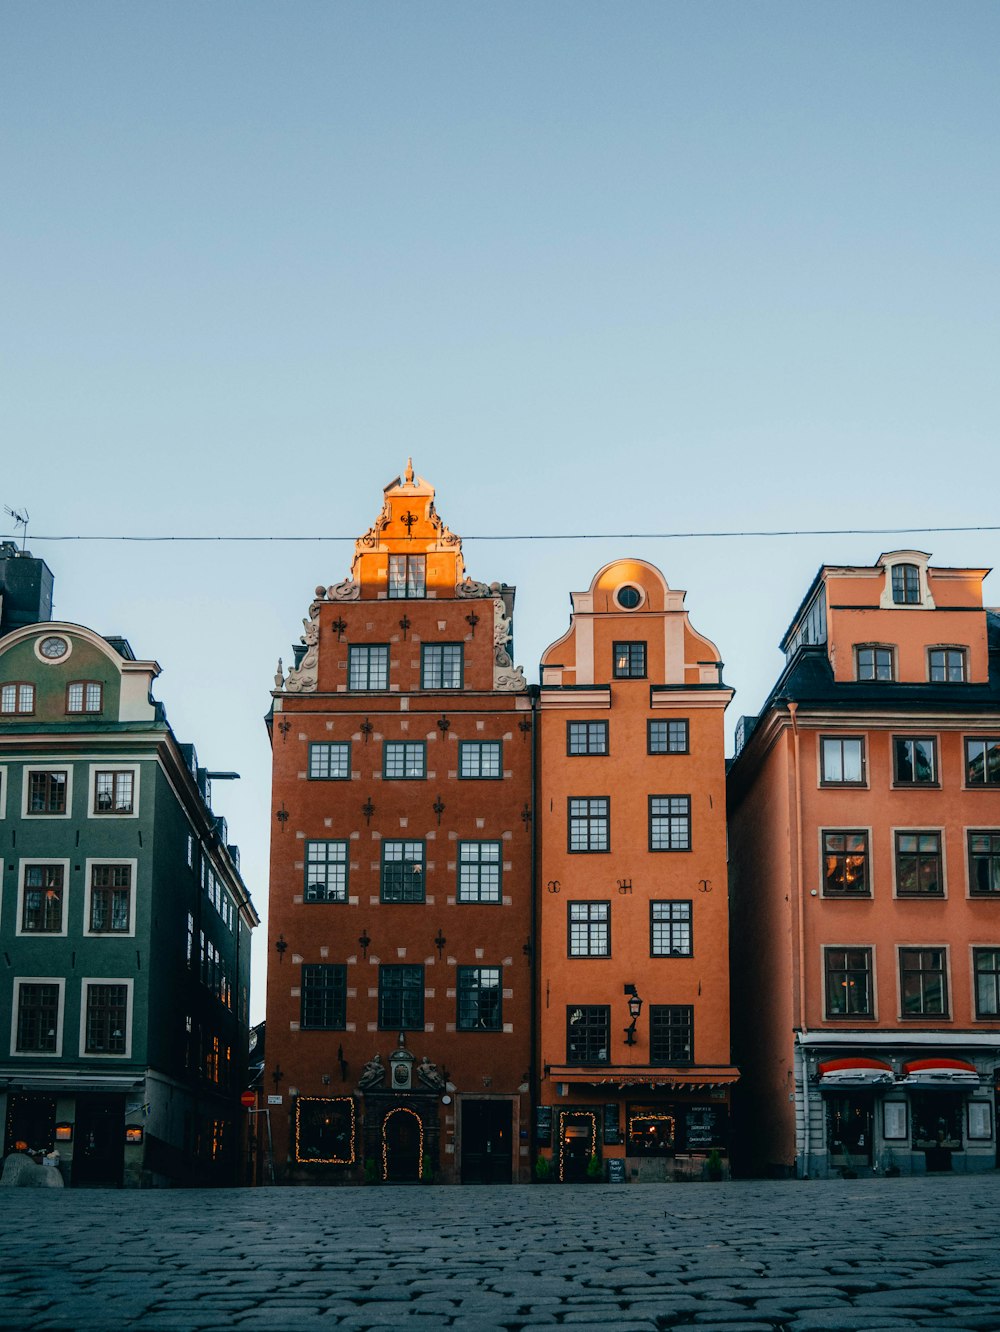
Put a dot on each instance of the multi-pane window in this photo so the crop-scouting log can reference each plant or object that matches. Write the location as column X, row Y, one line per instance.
column 407, row 575
column 106, row 1026
column 113, row 791
column 42, row 904
column 630, row 661
column 874, row 663
column 37, row 1017
column 588, row 1034
column 919, row 868
column 670, row 929
column 589, row 926
column 667, row 737
column 479, row 865
column 326, row 871
column 986, row 966
column 906, row 584
column 401, row 998
column 982, row 761
column 586, row 737
column 402, row 871
column 946, row 665
column 845, row 864
column 83, row 696
column 17, row 698
column 330, row 761
column 368, row 666
column 479, row 999
column 405, row 759
column 842, row 759
column 915, row 759
column 589, row 819
column 984, row 863
column 324, row 997
column 669, row 823
column 110, row 899
column 480, row 758
column 47, row 792
column 848, row 982
column 923, row 983
column 671, row 1034
column 441, row 666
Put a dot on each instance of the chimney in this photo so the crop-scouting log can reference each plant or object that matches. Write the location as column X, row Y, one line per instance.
column 25, row 589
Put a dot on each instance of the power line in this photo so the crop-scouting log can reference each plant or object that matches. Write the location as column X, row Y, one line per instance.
column 549, row 536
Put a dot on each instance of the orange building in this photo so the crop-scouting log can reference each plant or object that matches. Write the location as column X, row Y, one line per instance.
column 865, row 879
column 633, row 999
column 399, row 979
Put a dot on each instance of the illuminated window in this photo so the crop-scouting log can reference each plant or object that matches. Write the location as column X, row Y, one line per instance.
column 325, row 1129
column 845, row 864
column 848, row 982
column 629, row 661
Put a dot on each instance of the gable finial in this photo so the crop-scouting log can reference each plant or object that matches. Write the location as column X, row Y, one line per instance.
column 408, row 474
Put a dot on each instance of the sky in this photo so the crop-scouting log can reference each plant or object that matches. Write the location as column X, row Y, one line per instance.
column 679, row 267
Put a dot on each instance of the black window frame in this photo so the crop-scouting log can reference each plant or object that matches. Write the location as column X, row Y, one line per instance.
column 841, row 967
column 988, row 855
column 400, row 1019
column 588, row 923
column 358, row 652
column 586, row 730
column 110, row 894
column 427, row 667
column 671, row 1035
column 629, row 659
column 842, row 740
column 677, row 927
column 676, row 818
column 949, row 654
column 881, row 669
column 100, row 1012
column 899, row 760
column 400, row 894
column 39, row 1019
column 323, row 996
column 49, row 915
column 590, row 819
column 406, row 746
column 991, row 770
column 593, row 1026
column 920, row 855
column 992, row 1014
column 43, row 787
column 847, row 858
column 668, row 746
column 467, row 747
column 114, row 808
column 320, row 749
column 905, row 580
column 340, row 895
column 920, row 971
column 463, row 880
column 472, row 995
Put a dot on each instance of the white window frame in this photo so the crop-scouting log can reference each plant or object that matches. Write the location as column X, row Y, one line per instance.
column 88, row 886
column 15, row 1006
column 129, row 983
column 26, row 772
column 111, row 766
column 22, row 866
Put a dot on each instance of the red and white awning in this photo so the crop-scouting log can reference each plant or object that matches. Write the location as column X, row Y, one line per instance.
column 858, row 1071
column 941, row 1074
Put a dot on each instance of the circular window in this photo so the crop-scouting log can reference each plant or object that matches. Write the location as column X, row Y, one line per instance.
column 628, row 597
column 53, row 648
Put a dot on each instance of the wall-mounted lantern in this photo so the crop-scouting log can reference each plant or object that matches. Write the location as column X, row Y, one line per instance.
column 634, row 1009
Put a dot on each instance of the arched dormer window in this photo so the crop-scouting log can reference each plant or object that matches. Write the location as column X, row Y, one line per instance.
column 906, row 585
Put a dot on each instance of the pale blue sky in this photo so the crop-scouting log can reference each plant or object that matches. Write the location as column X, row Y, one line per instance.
column 598, row 267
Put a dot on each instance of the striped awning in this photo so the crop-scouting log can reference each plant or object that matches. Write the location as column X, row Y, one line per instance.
column 857, row 1071
column 941, row 1074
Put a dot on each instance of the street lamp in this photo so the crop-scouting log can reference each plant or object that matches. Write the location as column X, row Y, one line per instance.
column 634, row 1009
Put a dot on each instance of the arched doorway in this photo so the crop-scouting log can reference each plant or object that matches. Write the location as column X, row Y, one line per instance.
column 577, row 1144
column 402, row 1145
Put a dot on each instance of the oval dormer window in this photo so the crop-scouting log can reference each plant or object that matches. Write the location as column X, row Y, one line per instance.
column 628, row 597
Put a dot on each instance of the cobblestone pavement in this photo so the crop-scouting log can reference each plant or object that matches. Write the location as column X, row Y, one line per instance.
column 738, row 1257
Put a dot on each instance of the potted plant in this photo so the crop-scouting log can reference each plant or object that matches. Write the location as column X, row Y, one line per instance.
column 713, row 1165
column 595, row 1171
column 543, row 1170
column 371, row 1170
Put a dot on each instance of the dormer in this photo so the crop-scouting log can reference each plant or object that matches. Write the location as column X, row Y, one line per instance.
column 408, row 551
column 906, row 584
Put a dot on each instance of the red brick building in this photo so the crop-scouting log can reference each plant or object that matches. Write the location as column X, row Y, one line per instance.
column 399, row 977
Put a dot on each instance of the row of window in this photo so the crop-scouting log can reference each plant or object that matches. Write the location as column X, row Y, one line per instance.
column 589, row 823
column 109, row 907
column 442, row 666
column 662, row 737
column 918, row 862
column 877, row 661
column 210, row 964
column 923, row 982
column 671, row 1034
column 588, row 929
column 38, row 1016
column 403, row 871
column 406, row 760
column 400, row 998
column 49, row 792
column 211, row 884
column 17, row 698
column 914, row 759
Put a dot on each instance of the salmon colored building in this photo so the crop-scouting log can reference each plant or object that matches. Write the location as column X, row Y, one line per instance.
column 633, row 1003
column 399, row 978
column 865, row 860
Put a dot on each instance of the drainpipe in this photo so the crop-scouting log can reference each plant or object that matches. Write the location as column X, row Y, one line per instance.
column 535, row 1093
column 799, row 898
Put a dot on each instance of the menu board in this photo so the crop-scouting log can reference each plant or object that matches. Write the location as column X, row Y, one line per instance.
column 612, row 1132
column 543, row 1125
column 703, row 1128
column 616, row 1170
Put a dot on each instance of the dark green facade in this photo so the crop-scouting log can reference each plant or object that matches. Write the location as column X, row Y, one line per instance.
column 124, row 924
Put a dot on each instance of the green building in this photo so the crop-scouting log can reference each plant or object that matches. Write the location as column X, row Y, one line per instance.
column 124, row 922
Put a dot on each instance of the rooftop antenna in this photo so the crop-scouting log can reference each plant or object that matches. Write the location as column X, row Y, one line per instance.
column 20, row 520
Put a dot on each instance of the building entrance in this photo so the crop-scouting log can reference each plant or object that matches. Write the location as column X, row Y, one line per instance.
column 31, row 1123
column 937, row 1126
column 850, row 1121
column 486, row 1142
column 401, row 1141
column 577, row 1143
column 99, row 1141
